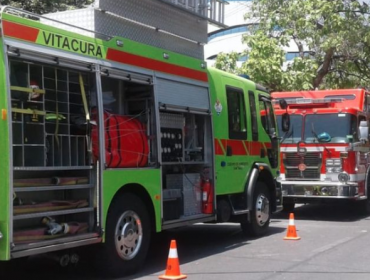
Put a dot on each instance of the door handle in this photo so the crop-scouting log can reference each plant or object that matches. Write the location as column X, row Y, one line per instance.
column 263, row 154
column 229, row 151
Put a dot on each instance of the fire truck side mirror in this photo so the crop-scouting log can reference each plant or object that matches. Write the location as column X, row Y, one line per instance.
column 364, row 131
column 285, row 122
column 283, row 104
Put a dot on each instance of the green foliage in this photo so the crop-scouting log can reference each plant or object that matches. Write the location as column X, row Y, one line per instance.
column 227, row 62
column 265, row 60
column 332, row 37
column 46, row 6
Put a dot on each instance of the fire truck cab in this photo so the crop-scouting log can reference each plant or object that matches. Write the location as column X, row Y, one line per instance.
column 325, row 153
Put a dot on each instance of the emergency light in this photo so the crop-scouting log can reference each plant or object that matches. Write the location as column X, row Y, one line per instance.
column 306, row 101
column 316, row 101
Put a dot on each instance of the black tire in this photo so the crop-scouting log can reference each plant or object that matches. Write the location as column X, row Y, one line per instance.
column 261, row 213
column 363, row 207
column 122, row 255
column 288, row 207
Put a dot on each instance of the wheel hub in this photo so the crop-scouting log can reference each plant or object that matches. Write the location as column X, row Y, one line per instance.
column 128, row 235
column 262, row 209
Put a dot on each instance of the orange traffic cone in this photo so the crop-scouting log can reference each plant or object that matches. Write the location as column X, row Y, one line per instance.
column 291, row 233
column 173, row 266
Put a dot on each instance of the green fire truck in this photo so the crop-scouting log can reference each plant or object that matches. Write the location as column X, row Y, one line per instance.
column 106, row 141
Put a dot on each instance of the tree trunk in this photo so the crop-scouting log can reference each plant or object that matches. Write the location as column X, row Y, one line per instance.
column 324, row 69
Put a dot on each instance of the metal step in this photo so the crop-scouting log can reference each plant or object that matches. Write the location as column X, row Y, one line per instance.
column 23, row 250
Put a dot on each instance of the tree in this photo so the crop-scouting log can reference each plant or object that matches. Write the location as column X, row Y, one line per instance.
column 46, row 6
column 227, row 62
column 332, row 38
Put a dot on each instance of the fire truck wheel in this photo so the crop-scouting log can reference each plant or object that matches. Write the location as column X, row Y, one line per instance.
column 364, row 207
column 260, row 214
column 127, row 236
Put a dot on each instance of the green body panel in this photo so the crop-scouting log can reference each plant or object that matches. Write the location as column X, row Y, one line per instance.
column 129, row 46
column 237, row 165
column 4, row 163
column 150, row 179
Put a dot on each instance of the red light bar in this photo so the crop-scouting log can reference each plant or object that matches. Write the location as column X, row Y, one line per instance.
column 304, row 101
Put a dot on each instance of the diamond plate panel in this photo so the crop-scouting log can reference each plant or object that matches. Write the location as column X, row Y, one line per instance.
column 74, row 18
column 160, row 15
column 169, row 120
column 190, row 184
column 108, row 24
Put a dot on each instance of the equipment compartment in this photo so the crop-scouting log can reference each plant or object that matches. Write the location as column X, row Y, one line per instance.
column 186, row 160
column 53, row 171
column 61, row 196
column 48, row 115
column 129, row 122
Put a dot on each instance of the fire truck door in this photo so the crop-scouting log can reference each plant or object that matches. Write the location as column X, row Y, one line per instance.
column 269, row 124
column 233, row 164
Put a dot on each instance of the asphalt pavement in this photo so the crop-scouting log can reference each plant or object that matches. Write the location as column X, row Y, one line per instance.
column 334, row 244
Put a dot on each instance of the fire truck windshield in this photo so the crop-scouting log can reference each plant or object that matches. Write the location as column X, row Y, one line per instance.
column 335, row 126
column 294, row 134
column 339, row 128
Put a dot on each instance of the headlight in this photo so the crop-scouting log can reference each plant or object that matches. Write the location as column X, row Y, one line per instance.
column 343, row 177
column 333, row 165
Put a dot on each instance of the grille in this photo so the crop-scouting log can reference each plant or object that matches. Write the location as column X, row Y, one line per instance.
column 312, row 160
column 298, row 175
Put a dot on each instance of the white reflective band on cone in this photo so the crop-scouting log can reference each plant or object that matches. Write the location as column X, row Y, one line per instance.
column 291, row 222
column 173, row 254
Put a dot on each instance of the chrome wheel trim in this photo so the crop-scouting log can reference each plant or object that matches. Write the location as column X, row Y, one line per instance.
column 262, row 209
column 128, row 235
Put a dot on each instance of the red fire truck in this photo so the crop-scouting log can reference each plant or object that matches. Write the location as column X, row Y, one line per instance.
column 325, row 152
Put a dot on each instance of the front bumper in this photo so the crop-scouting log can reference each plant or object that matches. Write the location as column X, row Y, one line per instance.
column 316, row 190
